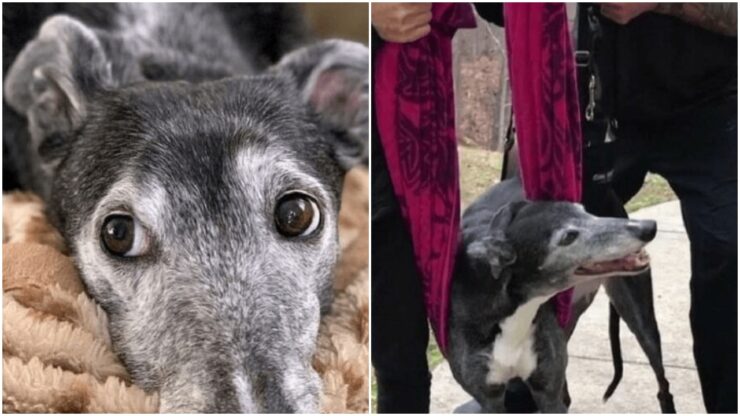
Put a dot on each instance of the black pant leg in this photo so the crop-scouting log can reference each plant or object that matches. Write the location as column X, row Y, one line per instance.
column 713, row 319
column 400, row 332
column 698, row 157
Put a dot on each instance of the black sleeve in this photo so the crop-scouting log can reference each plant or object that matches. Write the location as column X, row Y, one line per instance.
column 493, row 12
column 376, row 41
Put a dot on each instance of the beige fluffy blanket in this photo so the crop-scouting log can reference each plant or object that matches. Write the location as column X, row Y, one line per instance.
column 57, row 354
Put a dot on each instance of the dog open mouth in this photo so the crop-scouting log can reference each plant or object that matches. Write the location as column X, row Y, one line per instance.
column 630, row 264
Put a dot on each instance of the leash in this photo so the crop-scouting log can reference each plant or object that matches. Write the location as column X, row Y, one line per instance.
column 598, row 127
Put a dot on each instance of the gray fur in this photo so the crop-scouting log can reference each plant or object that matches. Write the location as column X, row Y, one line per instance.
column 510, row 261
column 163, row 117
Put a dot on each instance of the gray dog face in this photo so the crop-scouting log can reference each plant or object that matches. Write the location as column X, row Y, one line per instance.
column 541, row 248
column 202, row 216
column 214, row 243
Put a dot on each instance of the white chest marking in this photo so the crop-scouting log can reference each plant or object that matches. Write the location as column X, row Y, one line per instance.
column 513, row 349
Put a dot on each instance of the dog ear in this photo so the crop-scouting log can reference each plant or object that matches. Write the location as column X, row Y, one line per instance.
column 491, row 255
column 494, row 252
column 52, row 79
column 332, row 77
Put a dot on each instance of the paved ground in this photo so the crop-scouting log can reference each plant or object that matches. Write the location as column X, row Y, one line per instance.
column 590, row 366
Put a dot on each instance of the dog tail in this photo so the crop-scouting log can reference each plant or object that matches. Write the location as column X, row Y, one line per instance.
column 616, row 351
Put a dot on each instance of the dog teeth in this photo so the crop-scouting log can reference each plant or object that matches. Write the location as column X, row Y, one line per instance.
column 631, row 262
column 642, row 258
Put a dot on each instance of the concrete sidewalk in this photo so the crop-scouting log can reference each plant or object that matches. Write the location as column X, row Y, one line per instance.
column 590, row 365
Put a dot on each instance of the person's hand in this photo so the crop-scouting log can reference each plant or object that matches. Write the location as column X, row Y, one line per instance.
column 401, row 22
column 623, row 13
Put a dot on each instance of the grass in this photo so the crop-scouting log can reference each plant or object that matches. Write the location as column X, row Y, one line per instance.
column 655, row 191
column 434, row 355
column 479, row 169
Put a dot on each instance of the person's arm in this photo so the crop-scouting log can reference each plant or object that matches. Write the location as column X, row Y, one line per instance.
column 716, row 17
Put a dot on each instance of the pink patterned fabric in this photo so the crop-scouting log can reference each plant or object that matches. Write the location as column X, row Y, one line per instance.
column 546, row 113
column 412, row 89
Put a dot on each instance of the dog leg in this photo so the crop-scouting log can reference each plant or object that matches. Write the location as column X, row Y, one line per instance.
column 547, row 386
column 632, row 297
column 566, row 394
column 549, row 398
column 583, row 297
column 549, row 403
column 492, row 399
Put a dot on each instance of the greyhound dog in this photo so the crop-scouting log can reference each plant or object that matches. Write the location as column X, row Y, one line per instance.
column 630, row 298
column 514, row 256
column 198, row 190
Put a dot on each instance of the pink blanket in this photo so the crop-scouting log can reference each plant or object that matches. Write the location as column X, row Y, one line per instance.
column 413, row 95
column 546, row 113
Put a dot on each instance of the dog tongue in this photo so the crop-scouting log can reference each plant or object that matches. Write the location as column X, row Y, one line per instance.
column 629, row 263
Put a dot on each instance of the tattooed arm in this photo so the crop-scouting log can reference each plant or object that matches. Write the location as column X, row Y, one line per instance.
column 716, row 17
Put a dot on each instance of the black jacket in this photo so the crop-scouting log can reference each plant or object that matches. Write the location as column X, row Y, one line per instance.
column 658, row 67
column 655, row 68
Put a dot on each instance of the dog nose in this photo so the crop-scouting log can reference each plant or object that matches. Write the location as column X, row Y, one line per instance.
column 645, row 230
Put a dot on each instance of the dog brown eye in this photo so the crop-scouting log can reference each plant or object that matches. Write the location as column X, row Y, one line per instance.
column 568, row 238
column 118, row 234
column 123, row 236
column 296, row 215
